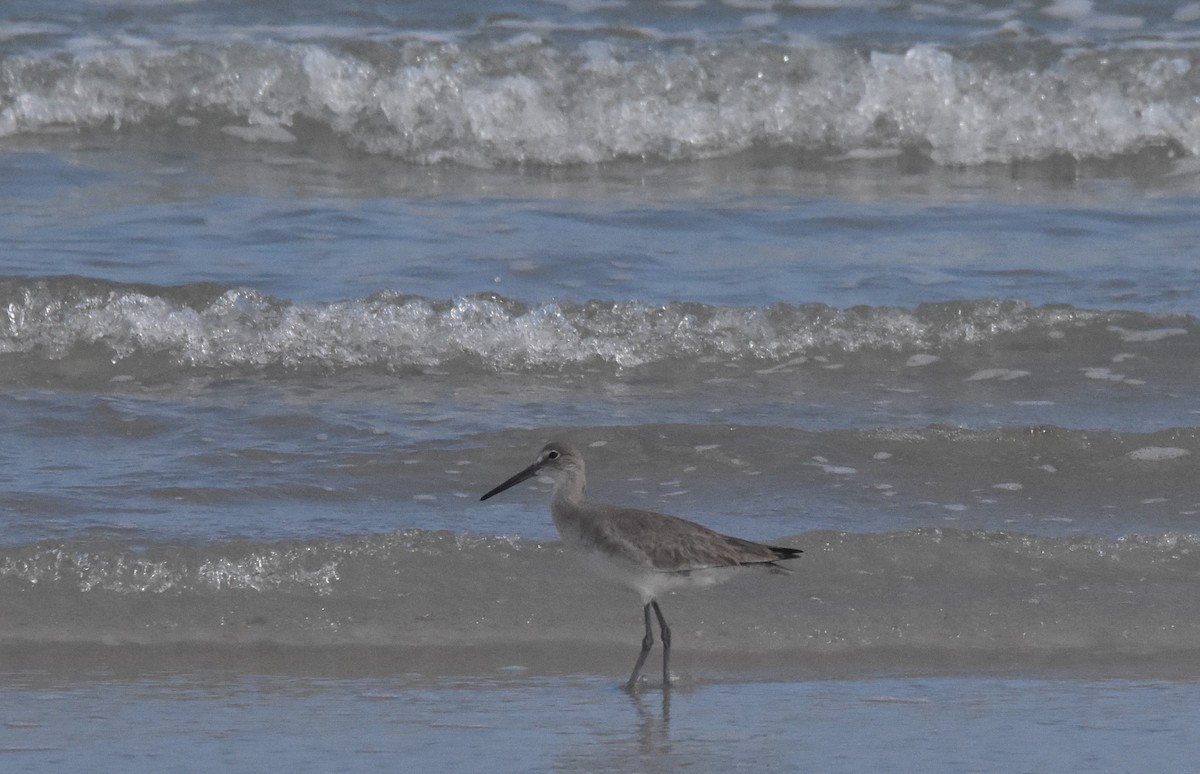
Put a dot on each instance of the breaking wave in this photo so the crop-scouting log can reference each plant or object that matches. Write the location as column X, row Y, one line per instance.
column 141, row 331
column 529, row 100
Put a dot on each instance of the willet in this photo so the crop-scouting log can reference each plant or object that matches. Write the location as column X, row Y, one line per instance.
column 650, row 552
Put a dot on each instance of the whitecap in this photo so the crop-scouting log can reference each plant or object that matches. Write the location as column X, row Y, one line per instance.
column 998, row 374
column 1153, row 334
column 1158, row 453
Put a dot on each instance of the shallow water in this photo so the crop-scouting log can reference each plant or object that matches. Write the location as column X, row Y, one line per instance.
column 586, row 724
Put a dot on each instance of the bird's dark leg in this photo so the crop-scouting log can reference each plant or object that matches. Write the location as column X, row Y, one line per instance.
column 647, row 643
column 665, row 631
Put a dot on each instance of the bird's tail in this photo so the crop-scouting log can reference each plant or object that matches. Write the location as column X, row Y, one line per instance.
column 781, row 555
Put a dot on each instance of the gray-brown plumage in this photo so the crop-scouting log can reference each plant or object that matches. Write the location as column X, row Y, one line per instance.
column 649, row 552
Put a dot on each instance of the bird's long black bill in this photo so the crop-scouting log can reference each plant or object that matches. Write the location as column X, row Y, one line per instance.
column 524, row 475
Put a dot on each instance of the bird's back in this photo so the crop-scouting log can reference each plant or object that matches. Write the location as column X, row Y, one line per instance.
column 656, row 541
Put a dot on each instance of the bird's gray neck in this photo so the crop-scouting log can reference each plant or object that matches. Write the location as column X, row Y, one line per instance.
column 569, row 487
column 565, row 502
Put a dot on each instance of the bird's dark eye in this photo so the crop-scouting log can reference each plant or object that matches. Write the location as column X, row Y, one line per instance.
column 552, row 454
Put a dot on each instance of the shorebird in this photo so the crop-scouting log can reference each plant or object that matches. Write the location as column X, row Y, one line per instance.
column 649, row 552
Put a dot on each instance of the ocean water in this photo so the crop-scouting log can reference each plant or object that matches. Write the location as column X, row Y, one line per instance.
column 285, row 286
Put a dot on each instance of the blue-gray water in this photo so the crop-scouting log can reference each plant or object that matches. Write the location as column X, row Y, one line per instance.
column 285, row 287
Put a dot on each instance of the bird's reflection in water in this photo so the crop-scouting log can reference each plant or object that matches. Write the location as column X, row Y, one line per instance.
column 654, row 722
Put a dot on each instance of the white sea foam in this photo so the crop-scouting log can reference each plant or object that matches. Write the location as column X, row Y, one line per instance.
column 527, row 100
column 1155, row 334
column 243, row 327
column 1158, row 453
column 998, row 374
